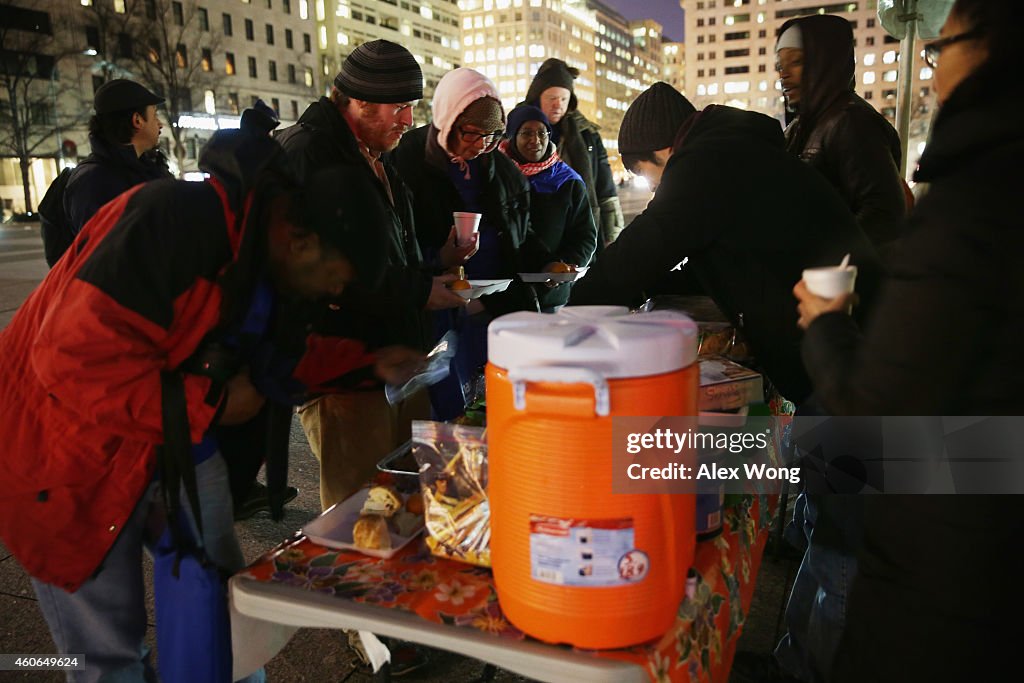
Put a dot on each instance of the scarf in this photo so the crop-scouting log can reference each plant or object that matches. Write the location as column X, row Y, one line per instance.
column 526, row 167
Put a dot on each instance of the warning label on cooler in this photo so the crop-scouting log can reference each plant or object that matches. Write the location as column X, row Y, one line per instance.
column 585, row 552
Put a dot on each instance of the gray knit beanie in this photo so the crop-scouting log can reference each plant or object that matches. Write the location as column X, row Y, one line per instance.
column 382, row 72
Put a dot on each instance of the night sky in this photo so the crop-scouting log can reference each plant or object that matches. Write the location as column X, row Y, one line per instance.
column 665, row 12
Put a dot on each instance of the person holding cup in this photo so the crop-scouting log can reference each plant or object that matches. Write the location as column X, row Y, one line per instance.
column 559, row 210
column 450, row 172
column 944, row 341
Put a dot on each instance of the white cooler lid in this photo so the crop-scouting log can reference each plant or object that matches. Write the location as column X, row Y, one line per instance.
column 606, row 339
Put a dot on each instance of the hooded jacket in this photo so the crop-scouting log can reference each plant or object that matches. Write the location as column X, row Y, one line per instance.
column 393, row 312
column 580, row 146
column 708, row 216
column 107, row 172
column 841, row 135
column 150, row 276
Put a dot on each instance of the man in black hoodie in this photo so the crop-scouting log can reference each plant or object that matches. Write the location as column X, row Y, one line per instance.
column 834, row 130
column 717, row 175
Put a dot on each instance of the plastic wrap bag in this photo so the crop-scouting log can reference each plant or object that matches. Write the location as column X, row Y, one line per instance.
column 437, row 367
column 453, row 477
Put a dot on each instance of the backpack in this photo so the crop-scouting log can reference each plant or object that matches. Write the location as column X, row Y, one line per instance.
column 54, row 224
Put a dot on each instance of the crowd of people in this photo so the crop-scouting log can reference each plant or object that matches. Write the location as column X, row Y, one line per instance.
column 312, row 267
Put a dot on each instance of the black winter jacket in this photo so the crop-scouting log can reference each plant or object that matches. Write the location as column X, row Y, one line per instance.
column 394, row 312
column 945, row 341
column 107, row 172
column 507, row 206
column 713, row 213
column 842, row 136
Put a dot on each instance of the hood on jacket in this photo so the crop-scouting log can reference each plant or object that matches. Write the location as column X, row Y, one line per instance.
column 828, row 72
column 456, row 91
column 719, row 124
column 245, row 165
column 239, row 159
column 553, row 73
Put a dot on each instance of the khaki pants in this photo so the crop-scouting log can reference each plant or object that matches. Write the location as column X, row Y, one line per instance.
column 351, row 432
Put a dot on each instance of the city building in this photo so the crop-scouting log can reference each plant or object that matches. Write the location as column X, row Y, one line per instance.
column 673, row 65
column 209, row 58
column 730, row 57
column 430, row 29
column 508, row 40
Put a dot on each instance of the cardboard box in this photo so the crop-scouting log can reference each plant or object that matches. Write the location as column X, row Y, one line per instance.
column 725, row 385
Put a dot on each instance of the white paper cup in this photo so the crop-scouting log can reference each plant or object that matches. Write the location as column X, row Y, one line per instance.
column 467, row 224
column 828, row 283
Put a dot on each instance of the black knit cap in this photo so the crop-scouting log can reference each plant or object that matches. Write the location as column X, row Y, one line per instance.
column 654, row 118
column 381, row 71
column 553, row 73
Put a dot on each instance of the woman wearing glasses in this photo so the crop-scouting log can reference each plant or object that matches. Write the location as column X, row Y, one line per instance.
column 448, row 167
column 945, row 341
column 559, row 210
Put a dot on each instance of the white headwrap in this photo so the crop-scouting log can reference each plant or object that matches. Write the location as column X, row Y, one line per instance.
column 792, row 37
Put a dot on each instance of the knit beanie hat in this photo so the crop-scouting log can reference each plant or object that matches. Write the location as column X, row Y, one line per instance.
column 382, row 72
column 654, row 118
column 553, row 73
column 484, row 113
column 520, row 115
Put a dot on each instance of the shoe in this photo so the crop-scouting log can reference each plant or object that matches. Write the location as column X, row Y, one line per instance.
column 755, row 667
column 259, row 501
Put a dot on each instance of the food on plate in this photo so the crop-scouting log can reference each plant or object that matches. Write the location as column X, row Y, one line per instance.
column 562, row 268
column 382, row 500
column 414, row 504
column 461, row 282
column 405, row 523
column 371, row 532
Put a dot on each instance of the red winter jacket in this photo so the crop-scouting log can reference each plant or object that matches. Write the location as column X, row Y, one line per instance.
column 80, row 364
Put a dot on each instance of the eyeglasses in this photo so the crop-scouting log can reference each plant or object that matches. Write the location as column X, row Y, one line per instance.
column 933, row 49
column 541, row 135
column 473, row 137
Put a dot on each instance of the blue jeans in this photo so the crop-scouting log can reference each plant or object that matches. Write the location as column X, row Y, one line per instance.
column 816, row 612
column 105, row 619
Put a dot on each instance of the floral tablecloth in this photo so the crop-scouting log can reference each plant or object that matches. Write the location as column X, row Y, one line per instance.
column 699, row 647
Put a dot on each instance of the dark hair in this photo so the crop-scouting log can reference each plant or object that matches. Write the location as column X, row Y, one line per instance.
column 630, row 160
column 998, row 22
column 115, row 127
column 339, row 99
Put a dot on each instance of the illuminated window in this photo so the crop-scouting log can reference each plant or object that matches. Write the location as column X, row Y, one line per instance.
column 926, row 73
column 210, row 102
column 890, row 76
column 869, row 59
column 889, row 57
column 869, row 77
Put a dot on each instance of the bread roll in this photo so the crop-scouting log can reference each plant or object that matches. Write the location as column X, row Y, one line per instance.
column 371, row 532
column 382, row 500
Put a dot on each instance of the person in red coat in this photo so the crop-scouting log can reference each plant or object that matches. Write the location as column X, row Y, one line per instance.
column 153, row 278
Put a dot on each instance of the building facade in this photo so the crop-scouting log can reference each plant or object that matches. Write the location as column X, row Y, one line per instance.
column 430, row 29
column 673, row 65
column 730, row 57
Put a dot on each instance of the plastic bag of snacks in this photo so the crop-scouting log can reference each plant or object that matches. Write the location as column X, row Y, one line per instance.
column 453, row 477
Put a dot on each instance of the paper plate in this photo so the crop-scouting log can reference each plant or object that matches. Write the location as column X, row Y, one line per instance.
column 334, row 527
column 483, row 287
column 554, row 277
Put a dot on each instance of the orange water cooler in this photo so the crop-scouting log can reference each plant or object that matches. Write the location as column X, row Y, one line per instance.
column 572, row 562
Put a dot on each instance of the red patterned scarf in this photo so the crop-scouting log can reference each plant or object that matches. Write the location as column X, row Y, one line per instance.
column 528, row 169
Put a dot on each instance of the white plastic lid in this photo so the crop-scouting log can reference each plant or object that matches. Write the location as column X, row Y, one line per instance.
column 608, row 340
